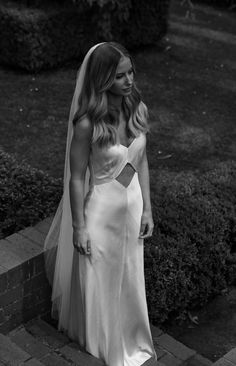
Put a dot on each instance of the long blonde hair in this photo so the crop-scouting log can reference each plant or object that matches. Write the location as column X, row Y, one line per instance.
column 93, row 101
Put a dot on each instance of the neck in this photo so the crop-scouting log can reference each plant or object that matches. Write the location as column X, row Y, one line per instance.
column 114, row 100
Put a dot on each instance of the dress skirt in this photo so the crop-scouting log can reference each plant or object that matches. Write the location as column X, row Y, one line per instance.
column 108, row 309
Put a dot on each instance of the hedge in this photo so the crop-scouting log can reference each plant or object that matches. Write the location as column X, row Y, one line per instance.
column 38, row 38
column 188, row 259
column 27, row 195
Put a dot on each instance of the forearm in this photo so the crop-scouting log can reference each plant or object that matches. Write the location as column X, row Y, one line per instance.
column 77, row 202
column 144, row 182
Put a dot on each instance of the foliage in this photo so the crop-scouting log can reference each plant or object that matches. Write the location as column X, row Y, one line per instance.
column 186, row 260
column 43, row 38
column 37, row 39
column 27, row 195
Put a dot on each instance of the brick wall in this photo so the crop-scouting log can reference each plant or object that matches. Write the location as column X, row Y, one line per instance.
column 24, row 289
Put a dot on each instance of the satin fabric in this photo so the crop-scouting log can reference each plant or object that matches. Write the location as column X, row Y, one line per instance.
column 108, row 310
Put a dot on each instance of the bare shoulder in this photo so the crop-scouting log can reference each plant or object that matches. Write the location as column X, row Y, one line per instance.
column 83, row 128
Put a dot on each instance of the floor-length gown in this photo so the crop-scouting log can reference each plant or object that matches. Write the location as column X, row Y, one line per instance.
column 108, row 309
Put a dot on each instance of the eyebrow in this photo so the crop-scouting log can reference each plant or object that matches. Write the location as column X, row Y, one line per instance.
column 121, row 73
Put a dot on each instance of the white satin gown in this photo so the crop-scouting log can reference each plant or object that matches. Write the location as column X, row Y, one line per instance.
column 108, row 309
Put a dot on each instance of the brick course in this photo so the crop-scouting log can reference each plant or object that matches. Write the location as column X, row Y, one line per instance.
column 29, row 344
column 198, row 360
column 231, row 355
column 175, row 347
column 24, row 289
column 47, row 334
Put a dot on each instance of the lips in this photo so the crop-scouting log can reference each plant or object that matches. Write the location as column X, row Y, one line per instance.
column 128, row 89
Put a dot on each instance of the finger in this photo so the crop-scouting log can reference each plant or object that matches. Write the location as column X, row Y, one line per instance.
column 148, row 233
column 75, row 245
column 142, row 230
column 145, row 236
column 77, row 249
column 82, row 251
column 88, row 251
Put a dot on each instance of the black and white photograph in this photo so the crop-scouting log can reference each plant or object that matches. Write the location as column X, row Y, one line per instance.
column 117, row 183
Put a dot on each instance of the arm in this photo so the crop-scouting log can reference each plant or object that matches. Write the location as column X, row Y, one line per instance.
column 79, row 157
column 146, row 219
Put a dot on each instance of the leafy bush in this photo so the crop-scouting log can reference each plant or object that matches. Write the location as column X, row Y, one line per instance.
column 187, row 258
column 27, row 195
column 131, row 22
column 36, row 38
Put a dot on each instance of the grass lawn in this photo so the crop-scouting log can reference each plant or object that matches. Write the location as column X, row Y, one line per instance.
column 188, row 87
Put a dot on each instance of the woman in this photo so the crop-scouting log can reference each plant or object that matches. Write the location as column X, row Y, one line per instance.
column 98, row 288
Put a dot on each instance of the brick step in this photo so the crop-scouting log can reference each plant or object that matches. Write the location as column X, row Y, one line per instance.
column 11, row 354
column 173, row 353
column 227, row 360
column 38, row 343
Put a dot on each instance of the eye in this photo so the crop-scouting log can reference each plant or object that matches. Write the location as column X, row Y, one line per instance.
column 119, row 76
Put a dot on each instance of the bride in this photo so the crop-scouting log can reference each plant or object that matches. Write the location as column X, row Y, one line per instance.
column 105, row 214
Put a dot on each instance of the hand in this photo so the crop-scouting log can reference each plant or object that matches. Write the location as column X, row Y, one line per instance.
column 147, row 225
column 81, row 241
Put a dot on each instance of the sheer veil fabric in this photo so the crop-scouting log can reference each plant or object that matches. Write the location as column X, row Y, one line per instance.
column 58, row 244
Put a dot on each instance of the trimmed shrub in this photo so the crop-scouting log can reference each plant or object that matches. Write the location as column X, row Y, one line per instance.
column 186, row 262
column 27, row 195
column 38, row 38
column 34, row 39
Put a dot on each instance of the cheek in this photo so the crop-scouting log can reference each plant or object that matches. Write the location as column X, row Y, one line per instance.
column 116, row 86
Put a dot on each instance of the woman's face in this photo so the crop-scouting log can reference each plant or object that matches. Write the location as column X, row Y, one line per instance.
column 122, row 85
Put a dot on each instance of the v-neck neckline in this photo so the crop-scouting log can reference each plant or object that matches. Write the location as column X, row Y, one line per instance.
column 127, row 147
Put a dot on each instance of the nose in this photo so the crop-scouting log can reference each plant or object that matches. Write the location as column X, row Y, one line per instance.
column 129, row 79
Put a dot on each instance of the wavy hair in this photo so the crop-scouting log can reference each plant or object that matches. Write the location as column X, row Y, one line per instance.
column 93, row 101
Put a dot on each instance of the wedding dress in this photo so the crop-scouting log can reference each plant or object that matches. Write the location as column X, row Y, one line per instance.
column 100, row 299
column 113, row 321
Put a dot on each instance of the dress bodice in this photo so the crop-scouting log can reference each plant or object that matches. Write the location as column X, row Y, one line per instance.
column 108, row 162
